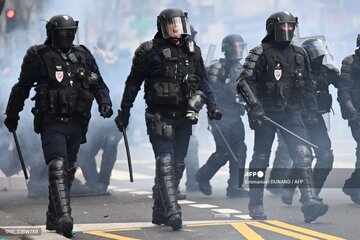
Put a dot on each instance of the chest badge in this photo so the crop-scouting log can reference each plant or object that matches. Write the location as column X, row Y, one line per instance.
column 59, row 75
column 277, row 72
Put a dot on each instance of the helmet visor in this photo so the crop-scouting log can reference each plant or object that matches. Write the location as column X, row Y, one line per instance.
column 316, row 49
column 175, row 27
column 234, row 50
column 63, row 38
column 284, row 32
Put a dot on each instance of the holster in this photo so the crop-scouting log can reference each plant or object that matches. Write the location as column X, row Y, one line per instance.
column 159, row 128
column 37, row 120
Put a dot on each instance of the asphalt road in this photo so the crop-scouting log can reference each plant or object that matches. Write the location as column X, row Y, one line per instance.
column 126, row 213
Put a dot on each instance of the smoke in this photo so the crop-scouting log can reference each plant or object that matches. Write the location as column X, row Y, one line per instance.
column 112, row 30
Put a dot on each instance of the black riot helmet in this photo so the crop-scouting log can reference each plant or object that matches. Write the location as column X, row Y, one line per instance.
column 173, row 23
column 280, row 26
column 61, row 29
column 315, row 48
column 233, row 46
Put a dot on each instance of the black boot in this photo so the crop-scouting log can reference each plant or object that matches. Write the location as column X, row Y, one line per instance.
column 256, row 208
column 179, row 170
column 352, row 185
column 60, row 198
column 288, row 190
column 51, row 217
column 351, row 188
column 312, row 206
column 208, row 170
column 166, row 180
column 236, row 174
column 322, row 168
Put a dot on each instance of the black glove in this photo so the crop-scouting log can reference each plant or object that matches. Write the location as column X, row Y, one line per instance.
column 214, row 113
column 122, row 120
column 256, row 116
column 105, row 111
column 312, row 118
column 11, row 123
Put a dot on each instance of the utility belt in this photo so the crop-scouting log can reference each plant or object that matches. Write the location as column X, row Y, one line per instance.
column 51, row 118
column 168, row 113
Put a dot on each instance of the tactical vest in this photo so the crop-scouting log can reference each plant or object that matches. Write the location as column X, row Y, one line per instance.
column 64, row 92
column 167, row 86
column 324, row 98
column 283, row 84
column 222, row 77
column 355, row 78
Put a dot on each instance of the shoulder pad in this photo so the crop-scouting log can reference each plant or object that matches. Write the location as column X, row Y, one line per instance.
column 253, row 55
column 216, row 64
column 299, row 50
column 348, row 60
column 331, row 67
column 257, row 50
column 213, row 71
column 34, row 50
column 82, row 48
column 145, row 46
column 141, row 53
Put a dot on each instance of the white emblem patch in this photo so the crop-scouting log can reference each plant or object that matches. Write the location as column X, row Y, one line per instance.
column 277, row 74
column 66, row 17
column 59, row 75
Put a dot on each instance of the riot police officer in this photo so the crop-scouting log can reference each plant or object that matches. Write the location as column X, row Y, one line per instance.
column 66, row 80
column 275, row 81
column 349, row 98
column 229, row 133
column 323, row 74
column 175, row 90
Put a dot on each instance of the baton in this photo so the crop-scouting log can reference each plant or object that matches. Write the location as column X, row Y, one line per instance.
column 290, row 132
column 226, row 143
column 20, row 155
column 128, row 154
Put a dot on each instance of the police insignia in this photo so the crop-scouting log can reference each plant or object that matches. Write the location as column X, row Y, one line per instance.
column 277, row 72
column 166, row 52
column 59, row 75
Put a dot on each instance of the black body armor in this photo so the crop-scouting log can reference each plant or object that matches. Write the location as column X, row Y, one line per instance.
column 222, row 75
column 168, row 85
column 327, row 75
column 64, row 93
column 284, row 83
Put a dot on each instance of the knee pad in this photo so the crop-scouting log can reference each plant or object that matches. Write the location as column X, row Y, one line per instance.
column 57, row 168
column 164, row 164
column 303, row 157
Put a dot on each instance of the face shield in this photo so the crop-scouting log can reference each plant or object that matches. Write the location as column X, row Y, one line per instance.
column 235, row 50
column 175, row 27
column 63, row 38
column 284, row 32
column 317, row 49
